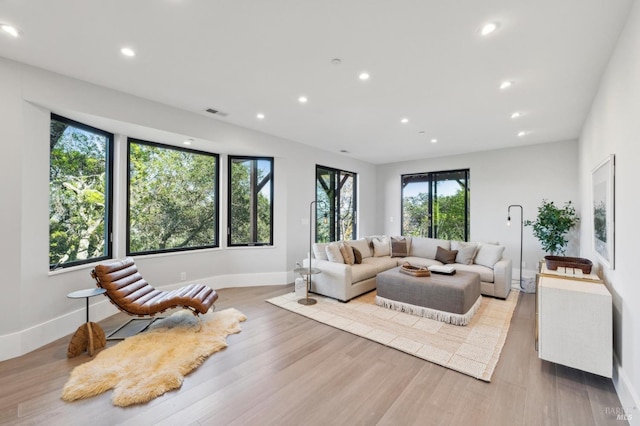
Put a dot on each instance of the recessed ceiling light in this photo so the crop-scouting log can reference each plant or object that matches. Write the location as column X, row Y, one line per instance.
column 127, row 51
column 344, row 151
column 522, row 133
column 404, row 120
column 516, row 115
column 302, row 99
column 260, row 116
column 364, row 76
column 489, row 28
column 506, row 84
column 10, row 29
column 188, row 141
column 434, row 140
column 421, row 132
column 336, row 61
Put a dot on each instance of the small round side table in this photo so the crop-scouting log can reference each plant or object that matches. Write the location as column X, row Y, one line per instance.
column 88, row 336
column 305, row 272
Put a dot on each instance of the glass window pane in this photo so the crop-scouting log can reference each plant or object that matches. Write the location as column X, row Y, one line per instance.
column 415, row 208
column 347, row 210
column 172, row 198
column 436, row 205
column 250, row 201
column 79, row 193
column 335, row 204
column 450, row 212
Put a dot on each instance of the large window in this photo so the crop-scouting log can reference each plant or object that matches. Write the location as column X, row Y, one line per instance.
column 250, row 201
column 436, row 205
column 335, row 204
column 80, row 176
column 172, row 198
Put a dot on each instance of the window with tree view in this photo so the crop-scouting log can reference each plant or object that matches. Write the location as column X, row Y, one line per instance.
column 436, row 205
column 250, row 201
column 335, row 204
column 80, row 173
column 172, row 198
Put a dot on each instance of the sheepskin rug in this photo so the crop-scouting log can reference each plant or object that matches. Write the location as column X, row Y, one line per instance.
column 147, row 365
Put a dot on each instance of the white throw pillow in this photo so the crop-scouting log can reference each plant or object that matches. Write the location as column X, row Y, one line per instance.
column 333, row 253
column 466, row 251
column 381, row 247
column 319, row 251
column 488, row 255
column 362, row 245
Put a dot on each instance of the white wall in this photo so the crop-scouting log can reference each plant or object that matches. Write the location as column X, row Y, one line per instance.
column 35, row 308
column 613, row 127
column 499, row 178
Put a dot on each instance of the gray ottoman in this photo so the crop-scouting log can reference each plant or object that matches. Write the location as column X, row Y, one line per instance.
column 449, row 298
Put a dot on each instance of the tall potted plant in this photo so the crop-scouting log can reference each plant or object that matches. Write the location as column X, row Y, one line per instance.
column 552, row 224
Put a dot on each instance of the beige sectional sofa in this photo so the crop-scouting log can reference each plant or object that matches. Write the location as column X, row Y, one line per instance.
column 344, row 278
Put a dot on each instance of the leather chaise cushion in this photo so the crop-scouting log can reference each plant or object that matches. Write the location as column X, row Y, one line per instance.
column 131, row 293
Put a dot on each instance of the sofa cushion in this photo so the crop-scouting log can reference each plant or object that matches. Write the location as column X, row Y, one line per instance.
column 466, row 251
column 381, row 246
column 488, row 254
column 381, row 263
column 486, row 274
column 427, row 247
column 362, row 272
column 362, row 245
column 319, row 251
column 399, row 247
column 347, row 253
column 333, row 253
column 446, row 256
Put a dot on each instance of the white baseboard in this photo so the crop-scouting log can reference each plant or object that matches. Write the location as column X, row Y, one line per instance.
column 628, row 396
column 24, row 341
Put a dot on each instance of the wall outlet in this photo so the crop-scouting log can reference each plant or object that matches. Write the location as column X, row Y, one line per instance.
column 391, row 219
column 183, row 276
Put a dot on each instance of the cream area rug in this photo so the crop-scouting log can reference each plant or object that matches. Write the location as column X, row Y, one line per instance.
column 473, row 349
column 147, row 365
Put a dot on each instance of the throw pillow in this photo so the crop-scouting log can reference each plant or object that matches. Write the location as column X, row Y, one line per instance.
column 362, row 245
column 347, row 253
column 381, row 247
column 488, row 255
column 466, row 253
column 333, row 253
column 399, row 247
column 446, row 256
column 320, row 251
column 357, row 256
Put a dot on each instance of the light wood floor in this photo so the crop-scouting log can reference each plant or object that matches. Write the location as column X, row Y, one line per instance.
column 284, row 369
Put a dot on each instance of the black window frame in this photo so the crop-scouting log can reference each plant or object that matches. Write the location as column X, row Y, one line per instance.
column 216, row 243
column 333, row 216
column 431, row 179
column 109, row 179
column 254, row 195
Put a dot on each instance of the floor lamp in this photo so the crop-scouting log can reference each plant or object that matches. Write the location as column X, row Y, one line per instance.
column 307, row 300
column 521, row 234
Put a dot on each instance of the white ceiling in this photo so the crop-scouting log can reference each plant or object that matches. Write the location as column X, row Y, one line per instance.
column 427, row 61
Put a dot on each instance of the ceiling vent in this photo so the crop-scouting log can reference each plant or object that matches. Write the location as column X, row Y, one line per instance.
column 216, row 112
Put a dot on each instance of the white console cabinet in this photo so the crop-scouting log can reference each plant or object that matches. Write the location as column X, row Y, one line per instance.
column 575, row 324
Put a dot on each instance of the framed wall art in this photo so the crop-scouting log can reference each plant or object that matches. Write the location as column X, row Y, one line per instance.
column 603, row 204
